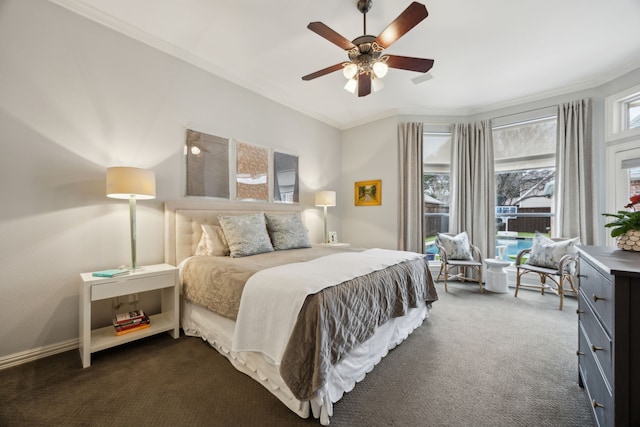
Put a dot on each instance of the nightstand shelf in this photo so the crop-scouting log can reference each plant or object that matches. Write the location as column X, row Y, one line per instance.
column 161, row 277
column 104, row 338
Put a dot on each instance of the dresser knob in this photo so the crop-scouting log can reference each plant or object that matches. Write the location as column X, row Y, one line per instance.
column 596, row 298
column 579, row 353
column 582, row 276
column 596, row 404
column 578, row 311
column 594, row 348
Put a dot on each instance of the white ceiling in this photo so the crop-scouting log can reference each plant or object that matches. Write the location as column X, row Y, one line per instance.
column 488, row 54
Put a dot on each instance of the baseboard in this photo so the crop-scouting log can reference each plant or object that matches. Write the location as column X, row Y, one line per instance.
column 37, row 353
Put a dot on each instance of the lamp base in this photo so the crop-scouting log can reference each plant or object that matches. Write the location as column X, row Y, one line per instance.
column 132, row 269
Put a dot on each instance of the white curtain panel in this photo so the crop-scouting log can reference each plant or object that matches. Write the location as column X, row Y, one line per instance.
column 411, row 198
column 574, row 205
column 473, row 184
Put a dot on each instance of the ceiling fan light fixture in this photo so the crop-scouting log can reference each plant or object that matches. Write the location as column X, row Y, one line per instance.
column 380, row 69
column 376, row 84
column 351, row 86
column 367, row 64
column 350, row 70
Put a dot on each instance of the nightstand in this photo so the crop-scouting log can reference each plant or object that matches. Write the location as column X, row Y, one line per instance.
column 337, row 245
column 160, row 277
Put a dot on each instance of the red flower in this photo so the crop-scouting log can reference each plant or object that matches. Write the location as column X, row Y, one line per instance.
column 634, row 201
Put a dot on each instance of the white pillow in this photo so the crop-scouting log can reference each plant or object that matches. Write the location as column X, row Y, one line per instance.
column 287, row 231
column 456, row 247
column 547, row 253
column 246, row 234
column 212, row 242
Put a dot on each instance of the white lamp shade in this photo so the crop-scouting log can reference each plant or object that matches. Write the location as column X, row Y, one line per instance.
column 350, row 70
column 380, row 69
column 326, row 198
column 351, row 85
column 124, row 182
column 376, row 84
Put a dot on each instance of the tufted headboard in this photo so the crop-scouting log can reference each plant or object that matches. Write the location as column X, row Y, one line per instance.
column 182, row 221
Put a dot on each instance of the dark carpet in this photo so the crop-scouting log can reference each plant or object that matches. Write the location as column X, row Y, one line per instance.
column 480, row 360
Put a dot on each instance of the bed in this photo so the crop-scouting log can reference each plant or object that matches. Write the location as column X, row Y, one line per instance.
column 306, row 321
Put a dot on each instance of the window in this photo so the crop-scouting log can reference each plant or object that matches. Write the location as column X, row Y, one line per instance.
column 633, row 175
column 622, row 124
column 623, row 176
column 622, row 112
column 524, row 155
column 631, row 109
column 436, row 153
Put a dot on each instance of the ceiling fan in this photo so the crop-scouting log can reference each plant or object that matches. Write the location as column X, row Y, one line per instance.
column 367, row 65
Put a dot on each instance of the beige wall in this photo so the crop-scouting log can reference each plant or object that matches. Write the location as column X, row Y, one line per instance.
column 75, row 98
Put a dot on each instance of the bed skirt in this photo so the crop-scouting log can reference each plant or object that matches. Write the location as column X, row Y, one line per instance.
column 218, row 332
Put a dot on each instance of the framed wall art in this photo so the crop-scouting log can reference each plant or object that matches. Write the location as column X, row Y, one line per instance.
column 286, row 186
column 368, row 193
column 252, row 171
column 207, row 159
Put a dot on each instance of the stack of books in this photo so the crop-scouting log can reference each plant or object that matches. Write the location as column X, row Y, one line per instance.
column 130, row 321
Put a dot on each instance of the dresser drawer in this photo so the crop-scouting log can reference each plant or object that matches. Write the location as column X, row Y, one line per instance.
column 598, row 290
column 600, row 395
column 597, row 341
column 132, row 285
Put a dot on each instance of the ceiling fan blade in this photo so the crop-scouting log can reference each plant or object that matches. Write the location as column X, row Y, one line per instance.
column 323, row 72
column 326, row 32
column 420, row 65
column 364, row 84
column 408, row 19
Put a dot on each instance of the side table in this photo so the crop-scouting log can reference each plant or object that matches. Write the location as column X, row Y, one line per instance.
column 161, row 277
column 496, row 277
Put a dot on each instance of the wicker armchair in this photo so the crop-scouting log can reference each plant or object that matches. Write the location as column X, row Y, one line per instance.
column 561, row 275
column 463, row 266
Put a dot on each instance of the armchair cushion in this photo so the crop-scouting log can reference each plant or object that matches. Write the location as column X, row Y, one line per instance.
column 456, row 247
column 547, row 253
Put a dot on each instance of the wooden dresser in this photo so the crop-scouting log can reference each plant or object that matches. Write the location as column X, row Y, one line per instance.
column 609, row 333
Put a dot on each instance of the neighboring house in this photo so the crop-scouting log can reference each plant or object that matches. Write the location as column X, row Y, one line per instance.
column 77, row 97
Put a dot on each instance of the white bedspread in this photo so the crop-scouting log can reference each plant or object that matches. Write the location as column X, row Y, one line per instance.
column 272, row 298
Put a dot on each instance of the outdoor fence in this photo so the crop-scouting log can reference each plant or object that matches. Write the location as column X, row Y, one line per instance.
column 527, row 220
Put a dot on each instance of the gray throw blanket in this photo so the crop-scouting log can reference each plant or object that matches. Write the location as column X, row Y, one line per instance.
column 338, row 318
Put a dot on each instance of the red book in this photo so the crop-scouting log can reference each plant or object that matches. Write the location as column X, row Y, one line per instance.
column 131, row 325
column 137, row 328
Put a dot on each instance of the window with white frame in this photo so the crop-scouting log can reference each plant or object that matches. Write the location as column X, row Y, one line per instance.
column 622, row 114
column 622, row 170
column 632, row 112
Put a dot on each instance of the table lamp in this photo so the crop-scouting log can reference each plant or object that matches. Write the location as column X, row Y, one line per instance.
column 131, row 183
column 325, row 198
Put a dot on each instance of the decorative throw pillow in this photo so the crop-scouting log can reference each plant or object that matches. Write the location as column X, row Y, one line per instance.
column 547, row 253
column 201, row 249
column 456, row 247
column 246, row 234
column 287, row 231
column 212, row 242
